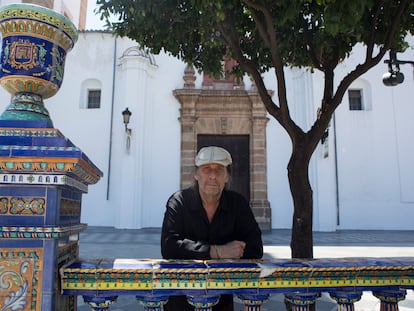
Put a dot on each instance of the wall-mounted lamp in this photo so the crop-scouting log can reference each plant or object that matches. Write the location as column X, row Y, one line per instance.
column 126, row 114
column 394, row 77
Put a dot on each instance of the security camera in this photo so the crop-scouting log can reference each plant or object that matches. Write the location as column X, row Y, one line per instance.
column 394, row 77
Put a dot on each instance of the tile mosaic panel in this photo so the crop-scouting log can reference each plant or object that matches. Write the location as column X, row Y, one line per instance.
column 21, row 232
column 255, row 277
column 67, row 252
column 70, row 207
column 33, row 17
column 22, row 206
column 21, row 279
column 122, row 274
column 42, row 179
column 185, row 274
column 30, row 132
column 77, row 167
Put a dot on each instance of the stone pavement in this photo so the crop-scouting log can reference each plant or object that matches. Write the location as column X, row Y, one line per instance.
column 105, row 242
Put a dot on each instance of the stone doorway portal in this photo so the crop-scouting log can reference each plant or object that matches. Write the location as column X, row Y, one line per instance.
column 223, row 108
column 238, row 146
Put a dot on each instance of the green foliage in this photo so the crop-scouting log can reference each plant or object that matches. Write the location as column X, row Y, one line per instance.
column 263, row 34
column 309, row 33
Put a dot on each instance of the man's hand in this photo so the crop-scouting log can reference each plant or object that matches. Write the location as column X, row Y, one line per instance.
column 231, row 250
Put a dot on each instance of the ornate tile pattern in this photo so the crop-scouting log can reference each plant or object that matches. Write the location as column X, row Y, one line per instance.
column 42, row 173
column 22, row 206
column 29, row 19
column 20, row 274
column 42, row 179
column 163, row 277
column 17, row 232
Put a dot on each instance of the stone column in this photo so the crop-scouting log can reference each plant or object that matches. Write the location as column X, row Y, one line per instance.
column 259, row 202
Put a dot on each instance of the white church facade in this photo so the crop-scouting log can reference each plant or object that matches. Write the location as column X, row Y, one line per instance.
column 362, row 176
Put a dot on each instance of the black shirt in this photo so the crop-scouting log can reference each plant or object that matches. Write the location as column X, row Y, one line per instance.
column 187, row 233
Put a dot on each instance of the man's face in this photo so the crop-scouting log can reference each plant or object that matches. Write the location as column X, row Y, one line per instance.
column 211, row 179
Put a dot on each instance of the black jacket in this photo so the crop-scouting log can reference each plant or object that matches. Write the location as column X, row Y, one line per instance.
column 187, row 233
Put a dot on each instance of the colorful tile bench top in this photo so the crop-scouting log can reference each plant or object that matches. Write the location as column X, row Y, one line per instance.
column 136, row 276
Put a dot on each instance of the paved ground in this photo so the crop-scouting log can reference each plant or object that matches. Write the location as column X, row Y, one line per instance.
column 104, row 242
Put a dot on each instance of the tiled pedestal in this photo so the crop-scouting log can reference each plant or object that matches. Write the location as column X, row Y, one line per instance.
column 42, row 179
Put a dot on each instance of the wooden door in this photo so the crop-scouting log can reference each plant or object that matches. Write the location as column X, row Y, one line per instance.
column 238, row 146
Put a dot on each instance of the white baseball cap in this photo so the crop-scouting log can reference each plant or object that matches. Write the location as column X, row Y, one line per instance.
column 213, row 154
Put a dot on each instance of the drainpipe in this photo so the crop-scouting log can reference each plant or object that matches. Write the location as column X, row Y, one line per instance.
column 112, row 119
column 336, row 172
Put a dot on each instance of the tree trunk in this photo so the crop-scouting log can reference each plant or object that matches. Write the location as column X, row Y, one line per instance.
column 298, row 173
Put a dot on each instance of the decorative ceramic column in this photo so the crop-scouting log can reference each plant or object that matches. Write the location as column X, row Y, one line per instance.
column 203, row 302
column 42, row 174
column 99, row 303
column 301, row 301
column 253, row 302
column 152, row 303
column 390, row 298
column 346, row 300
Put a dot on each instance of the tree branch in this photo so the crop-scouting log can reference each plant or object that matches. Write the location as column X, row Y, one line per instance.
column 371, row 40
column 269, row 34
column 232, row 40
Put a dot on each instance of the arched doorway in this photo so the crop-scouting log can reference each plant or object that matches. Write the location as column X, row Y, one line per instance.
column 223, row 113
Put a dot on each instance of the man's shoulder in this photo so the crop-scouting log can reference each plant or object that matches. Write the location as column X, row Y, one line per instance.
column 184, row 196
column 185, row 193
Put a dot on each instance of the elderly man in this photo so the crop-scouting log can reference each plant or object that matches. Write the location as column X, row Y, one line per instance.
column 208, row 221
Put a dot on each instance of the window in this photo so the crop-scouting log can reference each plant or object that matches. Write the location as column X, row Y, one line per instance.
column 90, row 94
column 355, row 99
column 94, row 99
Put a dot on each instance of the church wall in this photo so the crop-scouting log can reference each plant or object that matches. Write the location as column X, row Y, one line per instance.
column 373, row 151
column 374, row 147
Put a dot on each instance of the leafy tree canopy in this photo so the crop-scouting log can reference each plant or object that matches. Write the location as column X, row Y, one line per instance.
column 264, row 34
column 311, row 33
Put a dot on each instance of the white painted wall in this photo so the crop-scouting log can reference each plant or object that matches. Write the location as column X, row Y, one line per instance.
column 139, row 180
column 375, row 154
column 375, row 173
column 375, row 176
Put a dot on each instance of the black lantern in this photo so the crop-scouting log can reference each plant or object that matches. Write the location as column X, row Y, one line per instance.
column 126, row 114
